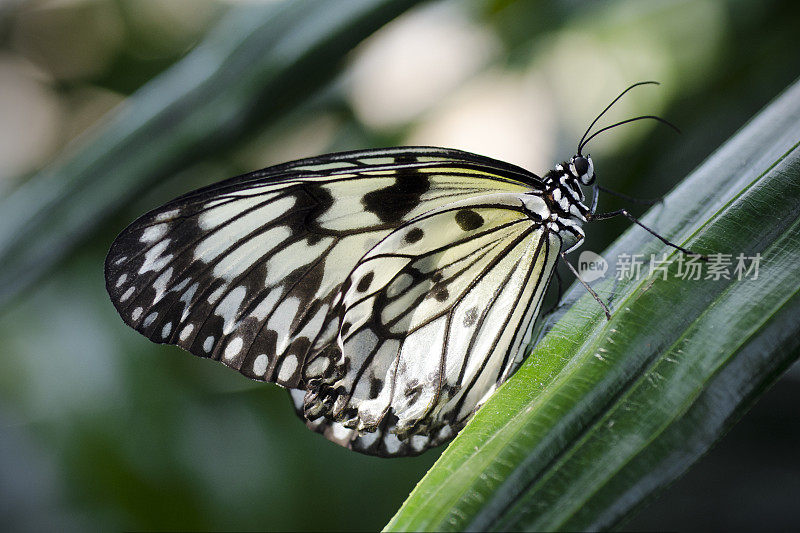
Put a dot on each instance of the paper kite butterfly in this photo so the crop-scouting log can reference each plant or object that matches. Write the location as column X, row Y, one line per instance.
column 390, row 290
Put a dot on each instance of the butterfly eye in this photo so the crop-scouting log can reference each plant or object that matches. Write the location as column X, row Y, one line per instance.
column 584, row 169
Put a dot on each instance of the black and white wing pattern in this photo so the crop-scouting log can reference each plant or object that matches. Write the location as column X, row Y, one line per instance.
column 269, row 273
column 436, row 316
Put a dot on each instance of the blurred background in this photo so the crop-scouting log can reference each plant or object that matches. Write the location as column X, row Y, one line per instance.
column 108, row 108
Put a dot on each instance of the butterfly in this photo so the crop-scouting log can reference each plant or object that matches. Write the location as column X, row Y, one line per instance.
column 391, row 291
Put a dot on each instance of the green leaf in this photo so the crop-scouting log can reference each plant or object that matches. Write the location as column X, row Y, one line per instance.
column 259, row 63
column 603, row 414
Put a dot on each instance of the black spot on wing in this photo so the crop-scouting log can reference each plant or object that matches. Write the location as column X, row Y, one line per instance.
column 470, row 317
column 375, row 386
column 393, row 203
column 414, row 235
column 322, row 201
column 364, row 284
column 469, row 220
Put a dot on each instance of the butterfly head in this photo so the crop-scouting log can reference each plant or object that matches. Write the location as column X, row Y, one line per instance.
column 582, row 168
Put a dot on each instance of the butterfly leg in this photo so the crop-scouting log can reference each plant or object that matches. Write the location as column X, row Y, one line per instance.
column 586, row 285
column 625, row 213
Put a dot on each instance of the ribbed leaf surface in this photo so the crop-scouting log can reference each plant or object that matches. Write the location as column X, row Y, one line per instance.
column 603, row 414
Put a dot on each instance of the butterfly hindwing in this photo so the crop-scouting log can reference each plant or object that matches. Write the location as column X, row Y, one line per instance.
column 434, row 319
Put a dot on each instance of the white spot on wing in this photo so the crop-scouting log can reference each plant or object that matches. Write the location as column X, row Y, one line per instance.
column 392, row 443
column 233, row 348
column 150, row 319
column 153, row 233
column 167, row 215
column 121, row 280
column 186, row 331
column 126, row 295
column 209, row 343
column 260, row 365
column 166, row 330
column 288, row 367
column 136, row 313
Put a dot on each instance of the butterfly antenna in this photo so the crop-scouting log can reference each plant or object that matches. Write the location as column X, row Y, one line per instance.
column 614, row 101
column 634, row 119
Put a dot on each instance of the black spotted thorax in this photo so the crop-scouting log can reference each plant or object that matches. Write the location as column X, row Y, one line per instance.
column 564, row 198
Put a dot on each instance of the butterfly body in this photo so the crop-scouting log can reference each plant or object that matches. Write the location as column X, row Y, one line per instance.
column 390, row 290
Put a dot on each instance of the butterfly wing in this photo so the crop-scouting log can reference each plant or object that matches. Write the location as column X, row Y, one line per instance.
column 247, row 271
column 435, row 317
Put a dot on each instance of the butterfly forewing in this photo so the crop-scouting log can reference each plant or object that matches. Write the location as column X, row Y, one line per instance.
column 249, row 271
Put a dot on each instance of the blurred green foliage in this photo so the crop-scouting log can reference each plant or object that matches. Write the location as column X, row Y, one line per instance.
column 101, row 429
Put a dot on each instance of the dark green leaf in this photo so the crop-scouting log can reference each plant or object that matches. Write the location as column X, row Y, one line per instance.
column 603, row 414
